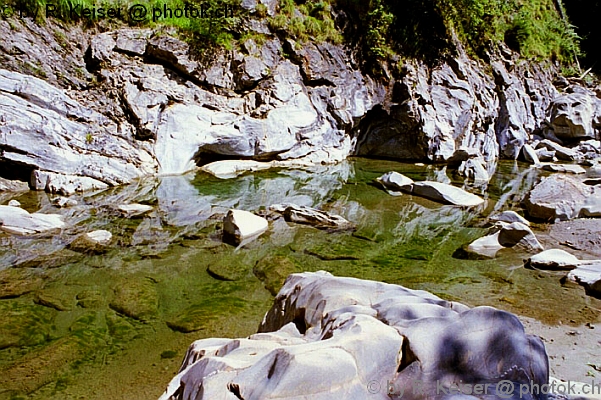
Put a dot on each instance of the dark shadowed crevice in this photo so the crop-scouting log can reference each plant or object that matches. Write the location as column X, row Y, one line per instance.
column 15, row 171
column 235, row 389
column 408, row 357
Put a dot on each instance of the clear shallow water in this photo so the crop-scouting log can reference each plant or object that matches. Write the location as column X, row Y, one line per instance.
column 117, row 325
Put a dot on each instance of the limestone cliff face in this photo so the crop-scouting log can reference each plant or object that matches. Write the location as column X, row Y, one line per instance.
column 105, row 108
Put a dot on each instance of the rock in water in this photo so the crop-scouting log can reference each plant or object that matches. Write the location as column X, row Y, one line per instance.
column 589, row 276
column 226, row 169
column 395, row 182
column 343, row 338
column 18, row 221
column 503, row 235
column 565, row 168
column 312, row 216
column 553, row 259
column 556, row 197
column 510, row 216
column 239, row 226
column 446, row 194
column 92, row 242
column 529, row 154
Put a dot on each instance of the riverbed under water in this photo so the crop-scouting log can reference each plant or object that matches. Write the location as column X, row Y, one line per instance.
column 117, row 325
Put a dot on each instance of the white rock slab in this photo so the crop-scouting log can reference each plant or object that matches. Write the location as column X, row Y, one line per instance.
column 447, row 194
column 553, row 259
column 18, row 221
column 227, row 169
column 240, row 225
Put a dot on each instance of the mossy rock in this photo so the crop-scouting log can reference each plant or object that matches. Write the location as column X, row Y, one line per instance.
column 45, row 364
column 24, row 323
column 273, row 271
column 137, row 299
column 52, row 300
column 90, row 323
column 93, row 299
column 119, row 327
column 15, row 282
column 227, row 270
column 198, row 316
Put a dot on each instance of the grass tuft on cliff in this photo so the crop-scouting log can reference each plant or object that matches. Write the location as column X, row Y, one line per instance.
column 381, row 29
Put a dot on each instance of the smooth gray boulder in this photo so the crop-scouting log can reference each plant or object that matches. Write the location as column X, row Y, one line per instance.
column 395, row 182
column 446, row 194
column 239, row 226
column 561, row 152
column 18, row 221
column 474, row 170
column 556, row 197
column 553, row 259
column 14, row 203
column 572, row 114
column 327, row 337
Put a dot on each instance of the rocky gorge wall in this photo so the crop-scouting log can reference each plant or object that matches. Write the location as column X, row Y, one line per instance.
column 106, row 108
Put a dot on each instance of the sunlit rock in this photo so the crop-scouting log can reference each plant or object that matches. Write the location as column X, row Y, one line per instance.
column 18, row 221
column 327, row 337
column 446, row 194
column 240, row 226
column 395, row 182
column 553, row 259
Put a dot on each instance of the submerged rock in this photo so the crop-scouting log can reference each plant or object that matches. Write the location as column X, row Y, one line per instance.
column 240, row 226
column 273, row 271
column 137, row 299
column 327, row 337
column 311, row 216
column 92, row 242
column 133, row 210
column 447, row 194
column 20, row 222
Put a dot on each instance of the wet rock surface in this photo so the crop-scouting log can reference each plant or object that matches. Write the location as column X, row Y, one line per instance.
column 314, row 338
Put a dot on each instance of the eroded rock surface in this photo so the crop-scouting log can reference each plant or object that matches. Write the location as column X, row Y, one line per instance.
column 327, row 337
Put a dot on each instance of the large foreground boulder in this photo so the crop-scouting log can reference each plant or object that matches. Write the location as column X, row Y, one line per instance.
column 343, row 338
